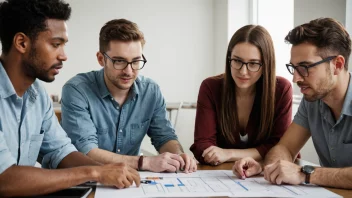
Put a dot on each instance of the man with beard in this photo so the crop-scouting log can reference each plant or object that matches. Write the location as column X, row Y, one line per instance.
column 319, row 64
column 108, row 112
column 33, row 34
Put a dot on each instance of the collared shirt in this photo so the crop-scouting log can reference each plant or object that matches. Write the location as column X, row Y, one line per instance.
column 332, row 139
column 28, row 127
column 92, row 118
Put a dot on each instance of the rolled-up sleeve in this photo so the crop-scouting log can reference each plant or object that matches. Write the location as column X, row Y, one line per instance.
column 56, row 144
column 205, row 125
column 282, row 117
column 76, row 119
column 160, row 130
column 6, row 159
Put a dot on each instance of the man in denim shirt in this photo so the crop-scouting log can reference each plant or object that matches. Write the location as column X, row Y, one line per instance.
column 33, row 35
column 319, row 65
column 107, row 113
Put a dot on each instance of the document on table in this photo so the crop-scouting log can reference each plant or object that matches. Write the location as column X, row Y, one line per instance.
column 208, row 183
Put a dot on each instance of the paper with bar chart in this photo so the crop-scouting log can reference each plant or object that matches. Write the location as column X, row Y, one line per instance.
column 208, row 183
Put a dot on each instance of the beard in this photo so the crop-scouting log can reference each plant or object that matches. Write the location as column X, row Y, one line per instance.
column 319, row 94
column 34, row 68
column 324, row 87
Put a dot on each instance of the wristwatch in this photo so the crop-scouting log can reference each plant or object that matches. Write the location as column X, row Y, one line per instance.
column 140, row 163
column 307, row 170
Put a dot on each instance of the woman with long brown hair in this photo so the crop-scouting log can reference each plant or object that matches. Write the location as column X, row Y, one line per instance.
column 245, row 111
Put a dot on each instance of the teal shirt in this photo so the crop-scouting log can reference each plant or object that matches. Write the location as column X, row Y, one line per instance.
column 29, row 128
column 332, row 139
column 93, row 119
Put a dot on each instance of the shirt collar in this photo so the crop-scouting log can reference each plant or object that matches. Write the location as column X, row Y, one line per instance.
column 104, row 91
column 347, row 104
column 135, row 87
column 32, row 91
column 6, row 87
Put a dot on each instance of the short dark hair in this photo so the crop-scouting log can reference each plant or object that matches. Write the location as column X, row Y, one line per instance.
column 28, row 17
column 121, row 30
column 327, row 34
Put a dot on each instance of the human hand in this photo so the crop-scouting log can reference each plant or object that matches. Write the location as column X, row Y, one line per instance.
column 168, row 162
column 215, row 155
column 119, row 175
column 190, row 163
column 284, row 171
column 246, row 167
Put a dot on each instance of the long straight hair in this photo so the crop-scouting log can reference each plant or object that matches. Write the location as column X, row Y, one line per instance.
column 228, row 116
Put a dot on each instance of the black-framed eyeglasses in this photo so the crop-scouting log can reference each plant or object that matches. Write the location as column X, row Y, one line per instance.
column 303, row 70
column 121, row 64
column 251, row 66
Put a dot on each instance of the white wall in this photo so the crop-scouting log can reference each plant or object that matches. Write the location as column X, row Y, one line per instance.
column 349, row 24
column 238, row 14
column 349, row 16
column 278, row 22
column 306, row 10
column 220, row 16
column 179, row 41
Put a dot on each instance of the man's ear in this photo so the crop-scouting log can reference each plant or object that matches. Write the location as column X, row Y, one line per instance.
column 21, row 42
column 339, row 64
column 101, row 59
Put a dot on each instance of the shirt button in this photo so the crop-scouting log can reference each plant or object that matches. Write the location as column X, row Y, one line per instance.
column 120, row 130
column 334, row 160
column 112, row 98
column 118, row 150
